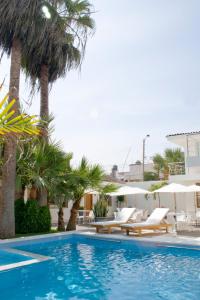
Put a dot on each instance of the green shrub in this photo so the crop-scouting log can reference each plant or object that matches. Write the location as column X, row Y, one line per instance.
column 44, row 220
column 20, row 212
column 150, row 176
column 100, row 209
column 31, row 218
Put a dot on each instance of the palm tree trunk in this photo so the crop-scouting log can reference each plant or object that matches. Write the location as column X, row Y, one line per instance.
column 7, row 217
column 42, row 196
column 44, row 99
column 61, row 223
column 72, row 220
column 44, row 115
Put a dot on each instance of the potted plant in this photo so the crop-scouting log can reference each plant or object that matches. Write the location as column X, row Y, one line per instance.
column 101, row 210
column 120, row 200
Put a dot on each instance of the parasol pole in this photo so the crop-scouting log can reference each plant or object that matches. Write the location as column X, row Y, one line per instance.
column 175, row 207
column 158, row 200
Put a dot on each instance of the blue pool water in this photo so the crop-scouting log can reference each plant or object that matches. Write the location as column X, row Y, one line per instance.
column 86, row 268
column 10, row 258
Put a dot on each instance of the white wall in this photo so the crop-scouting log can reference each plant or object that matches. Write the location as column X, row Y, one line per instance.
column 54, row 213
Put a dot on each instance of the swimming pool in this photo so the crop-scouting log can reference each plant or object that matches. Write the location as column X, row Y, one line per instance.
column 7, row 257
column 90, row 268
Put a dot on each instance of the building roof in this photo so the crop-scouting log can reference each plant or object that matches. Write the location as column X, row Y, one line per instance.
column 184, row 133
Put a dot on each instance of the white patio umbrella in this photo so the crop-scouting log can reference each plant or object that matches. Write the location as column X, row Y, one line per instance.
column 128, row 190
column 173, row 188
column 124, row 191
column 193, row 188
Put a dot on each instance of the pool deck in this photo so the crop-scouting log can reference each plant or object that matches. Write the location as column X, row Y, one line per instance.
column 187, row 239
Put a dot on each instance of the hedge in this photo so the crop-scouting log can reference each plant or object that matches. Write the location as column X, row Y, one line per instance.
column 31, row 218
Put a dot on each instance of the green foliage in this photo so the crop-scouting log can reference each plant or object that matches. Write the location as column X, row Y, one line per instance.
column 100, row 209
column 160, row 164
column 44, row 219
column 158, row 185
column 60, row 40
column 20, row 216
column 174, row 155
column 120, row 198
column 148, row 176
column 15, row 126
column 42, row 165
column 31, row 218
column 170, row 156
column 104, row 190
column 84, row 177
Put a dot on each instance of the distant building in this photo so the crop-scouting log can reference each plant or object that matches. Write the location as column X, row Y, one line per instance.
column 114, row 172
column 135, row 172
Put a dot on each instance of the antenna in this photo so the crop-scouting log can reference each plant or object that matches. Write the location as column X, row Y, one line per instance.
column 128, row 153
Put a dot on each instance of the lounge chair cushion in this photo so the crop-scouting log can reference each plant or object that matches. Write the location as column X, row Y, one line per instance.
column 122, row 217
column 154, row 219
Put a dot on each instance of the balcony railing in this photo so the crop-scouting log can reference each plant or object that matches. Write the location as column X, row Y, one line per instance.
column 177, row 168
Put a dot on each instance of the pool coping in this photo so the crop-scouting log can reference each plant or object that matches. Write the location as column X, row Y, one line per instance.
column 34, row 259
column 165, row 240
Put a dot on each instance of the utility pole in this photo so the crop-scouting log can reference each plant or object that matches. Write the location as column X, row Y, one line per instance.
column 143, row 154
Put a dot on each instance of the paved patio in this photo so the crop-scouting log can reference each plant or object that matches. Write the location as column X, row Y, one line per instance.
column 182, row 238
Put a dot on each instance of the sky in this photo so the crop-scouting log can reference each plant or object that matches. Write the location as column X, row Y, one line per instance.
column 140, row 76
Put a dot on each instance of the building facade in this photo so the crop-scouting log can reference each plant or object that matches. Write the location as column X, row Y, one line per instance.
column 135, row 172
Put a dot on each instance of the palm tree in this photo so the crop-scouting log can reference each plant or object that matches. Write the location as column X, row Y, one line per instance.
column 56, row 61
column 84, row 177
column 11, row 127
column 15, row 126
column 44, row 166
column 41, row 164
column 60, row 194
column 171, row 156
column 61, row 50
column 174, row 155
column 16, row 17
column 159, row 164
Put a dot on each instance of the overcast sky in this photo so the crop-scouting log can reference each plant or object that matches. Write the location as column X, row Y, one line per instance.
column 141, row 75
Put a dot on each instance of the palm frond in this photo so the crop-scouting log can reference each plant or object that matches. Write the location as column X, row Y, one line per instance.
column 20, row 125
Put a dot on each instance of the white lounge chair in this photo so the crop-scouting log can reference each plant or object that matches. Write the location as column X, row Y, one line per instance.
column 122, row 217
column 154, row 222
column 136, row 217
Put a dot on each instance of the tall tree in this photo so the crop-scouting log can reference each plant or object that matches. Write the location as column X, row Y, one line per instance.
column 66, row 27
column 14, row 23
column 61, row 50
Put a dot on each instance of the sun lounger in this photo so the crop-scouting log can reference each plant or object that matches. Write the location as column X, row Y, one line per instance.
column 154, row 222
column 122, row 217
